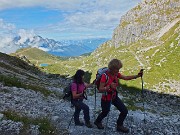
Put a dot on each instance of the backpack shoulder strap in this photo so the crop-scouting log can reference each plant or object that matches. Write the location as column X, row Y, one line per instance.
column 76, row 85
column 107, row 77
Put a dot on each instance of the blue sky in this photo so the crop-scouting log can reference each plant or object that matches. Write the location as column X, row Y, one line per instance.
column 61, row 19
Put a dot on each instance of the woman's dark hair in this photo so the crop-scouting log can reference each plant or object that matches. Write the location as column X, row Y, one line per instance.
column 78, row 76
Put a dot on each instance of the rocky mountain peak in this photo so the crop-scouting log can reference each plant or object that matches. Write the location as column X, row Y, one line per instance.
column 144, row 20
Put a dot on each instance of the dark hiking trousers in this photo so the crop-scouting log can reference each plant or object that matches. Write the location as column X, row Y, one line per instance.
column 105, row 105
column 79, row 105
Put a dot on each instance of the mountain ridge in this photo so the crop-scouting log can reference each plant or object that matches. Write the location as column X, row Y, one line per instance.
column 154, row 55
column 144, row 20
column 149, row 56
column 164, row 29
column 31, row 102
column 31, row 97
column 58, row 48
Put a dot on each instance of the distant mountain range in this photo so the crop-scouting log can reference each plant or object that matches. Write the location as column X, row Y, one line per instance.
column 147, row 37
column 75, row 47
column 58, row 48
column 157, row 51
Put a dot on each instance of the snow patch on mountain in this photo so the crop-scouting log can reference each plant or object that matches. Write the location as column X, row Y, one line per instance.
column 59, row 48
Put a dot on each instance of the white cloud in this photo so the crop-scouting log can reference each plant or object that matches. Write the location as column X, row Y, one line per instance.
column 8, row 32
column 6, row 46
column 6, row 36
column 87, row 17
column 85, row 25
column 24, row 34
column 6, row 26
column 94, row 20
column 81, row 17
column 5, row 40
column 58, row 50
column 44, row 49
column 70, row 4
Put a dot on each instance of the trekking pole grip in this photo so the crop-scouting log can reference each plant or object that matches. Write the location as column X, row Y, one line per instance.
column 142, row 71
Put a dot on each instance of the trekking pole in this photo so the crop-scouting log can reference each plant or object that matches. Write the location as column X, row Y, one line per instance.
column 143, row 104
column 95, row 102
column 95, row 90
column 142, row 92
column 95, row 98
column 70, row 121
column 143, row 98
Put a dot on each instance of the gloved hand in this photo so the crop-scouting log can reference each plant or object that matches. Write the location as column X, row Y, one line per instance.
column 112, row 86
column 140, row 74
column 84, row 95
column 94, row 81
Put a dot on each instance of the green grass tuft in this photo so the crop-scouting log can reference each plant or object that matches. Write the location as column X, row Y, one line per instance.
column 44, row 125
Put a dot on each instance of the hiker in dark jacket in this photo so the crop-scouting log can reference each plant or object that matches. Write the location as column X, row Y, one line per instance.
column 111, row 96
column 78, row 88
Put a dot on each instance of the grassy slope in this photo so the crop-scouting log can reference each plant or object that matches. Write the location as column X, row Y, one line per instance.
column 167, row 55
column 158, row 58
column 37, row 56
column 159, row 61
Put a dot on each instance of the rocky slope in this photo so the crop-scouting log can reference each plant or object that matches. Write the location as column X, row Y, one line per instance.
column 161, row 115
column 31, row 101
column 32, row 105
column 144, row 20
column 147, row 37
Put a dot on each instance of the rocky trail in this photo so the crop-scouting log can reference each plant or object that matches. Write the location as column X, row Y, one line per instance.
column 160, row 117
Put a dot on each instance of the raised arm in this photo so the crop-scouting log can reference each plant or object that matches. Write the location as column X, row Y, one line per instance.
column 132, row 76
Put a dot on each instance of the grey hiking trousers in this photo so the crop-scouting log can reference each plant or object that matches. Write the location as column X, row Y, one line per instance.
column 79, row 105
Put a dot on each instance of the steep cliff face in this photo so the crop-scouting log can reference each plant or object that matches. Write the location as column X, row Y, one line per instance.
column 146, row 19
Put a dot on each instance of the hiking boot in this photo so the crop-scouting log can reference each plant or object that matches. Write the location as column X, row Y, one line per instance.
column 99, row 125
column 122, row 129
column 88, row 124
column 79, row 124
